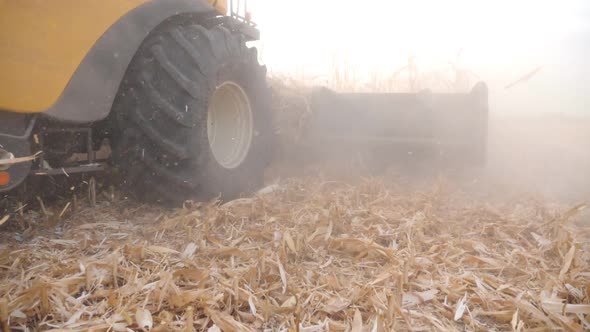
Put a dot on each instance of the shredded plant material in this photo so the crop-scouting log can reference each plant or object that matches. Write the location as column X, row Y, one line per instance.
column 305, row 255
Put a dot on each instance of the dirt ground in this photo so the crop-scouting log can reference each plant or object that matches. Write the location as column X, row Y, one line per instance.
column 503, row 248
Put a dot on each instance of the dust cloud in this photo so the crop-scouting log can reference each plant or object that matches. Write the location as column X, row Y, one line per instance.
column 549, row 154
column 544, row 155
column 533, row 55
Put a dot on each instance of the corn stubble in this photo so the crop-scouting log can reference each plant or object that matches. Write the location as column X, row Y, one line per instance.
column 306, row 255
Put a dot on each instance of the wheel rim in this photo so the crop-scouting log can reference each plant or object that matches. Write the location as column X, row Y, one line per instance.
column 229, row 125
column 5, row 155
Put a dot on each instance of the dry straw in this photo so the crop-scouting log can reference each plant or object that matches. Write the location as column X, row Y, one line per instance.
column 305, row 255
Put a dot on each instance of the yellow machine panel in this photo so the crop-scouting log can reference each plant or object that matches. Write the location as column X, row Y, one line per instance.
column 42, row 43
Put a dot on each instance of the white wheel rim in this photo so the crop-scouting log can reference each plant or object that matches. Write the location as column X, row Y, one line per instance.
column 5, row 155
column 229, row 125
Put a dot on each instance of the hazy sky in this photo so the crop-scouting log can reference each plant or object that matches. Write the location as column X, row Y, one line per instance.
column 499, row 41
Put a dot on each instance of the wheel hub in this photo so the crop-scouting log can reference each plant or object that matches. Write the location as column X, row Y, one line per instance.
column 229, row 125
column 5, row 155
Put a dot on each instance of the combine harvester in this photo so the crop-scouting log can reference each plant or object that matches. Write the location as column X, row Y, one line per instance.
column 168, row 92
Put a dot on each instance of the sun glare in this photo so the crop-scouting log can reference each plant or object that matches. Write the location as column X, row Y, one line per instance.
column 496, row 41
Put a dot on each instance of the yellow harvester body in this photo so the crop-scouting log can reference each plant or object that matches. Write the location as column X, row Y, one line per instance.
column 43, row 42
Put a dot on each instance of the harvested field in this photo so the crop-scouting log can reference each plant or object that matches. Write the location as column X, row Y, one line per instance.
column 324, row 249
column 464, row 212
column 305, row 255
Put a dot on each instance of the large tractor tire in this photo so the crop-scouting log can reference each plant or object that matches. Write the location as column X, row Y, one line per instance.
column 193, row 116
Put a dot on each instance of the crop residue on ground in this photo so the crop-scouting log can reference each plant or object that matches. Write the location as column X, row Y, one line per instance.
column 306, row 255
